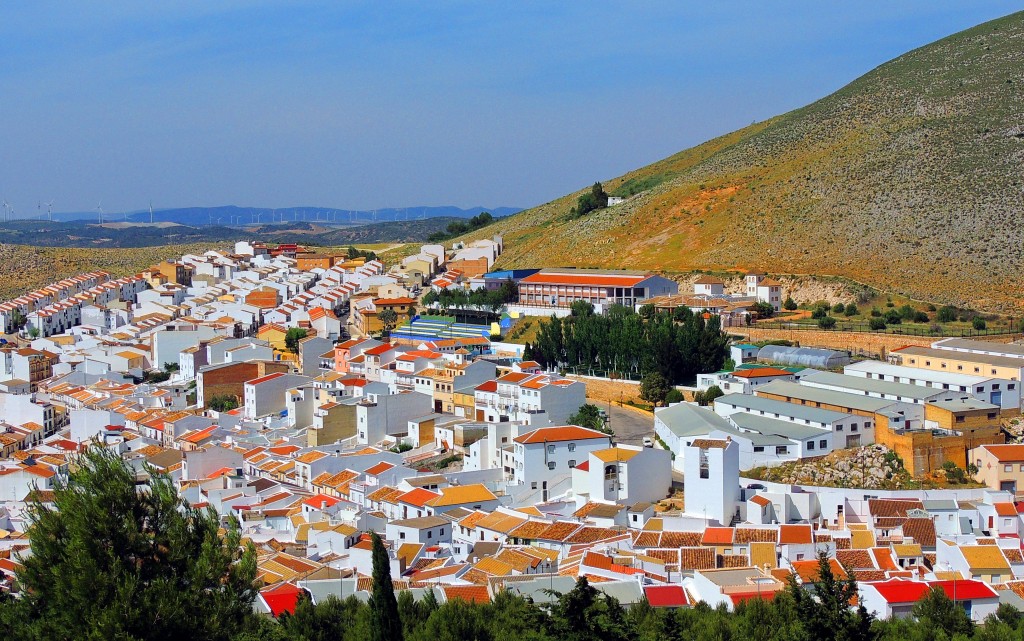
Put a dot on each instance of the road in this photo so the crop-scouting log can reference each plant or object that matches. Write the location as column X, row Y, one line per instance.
column 630, row 425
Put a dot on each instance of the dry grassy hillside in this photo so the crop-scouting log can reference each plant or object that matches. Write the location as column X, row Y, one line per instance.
column 910, row 178
column 25, row 268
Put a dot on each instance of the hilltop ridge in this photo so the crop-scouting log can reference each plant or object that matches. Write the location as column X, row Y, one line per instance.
column 909, row 179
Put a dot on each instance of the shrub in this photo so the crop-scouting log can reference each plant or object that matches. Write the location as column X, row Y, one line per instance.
column 875, row 312
column 893, row 317
column 790, row 304
column 828, row 322
column 838, row 308
column 979, row 323
column 876, row 324
column 673, row 396
column 851, row 310
column 820, row 310
column 946, row 314
column 920, row 317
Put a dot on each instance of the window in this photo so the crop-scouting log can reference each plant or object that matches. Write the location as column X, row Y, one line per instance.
column 551, row 449
column 991, row 415
column 979, row 389
column 533, row 485
column 1007, row 468
column 440, row 532
column 822, row 444
column 759, row 448
column 551, row 465
column 781, row 450
column 810, row 445
column 572, row 447
column 959, row 419
column 1011, row 386
column 995, row 386
column 430, row 534
column 572, row 462
column 401, row 535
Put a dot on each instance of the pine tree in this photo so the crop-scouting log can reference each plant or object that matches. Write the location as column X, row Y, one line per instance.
column 114, row 561
column 386, row 624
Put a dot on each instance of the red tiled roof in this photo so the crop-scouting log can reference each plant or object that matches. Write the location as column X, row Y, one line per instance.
column 1005, row 509
column 556, row 434
column 418, row 497
column 1006, row 453
column 795, row 534
column 898, row 591
column 717, row 536
column 282, row 598
column 468, row 593
column 594, row 279
column 320, row 500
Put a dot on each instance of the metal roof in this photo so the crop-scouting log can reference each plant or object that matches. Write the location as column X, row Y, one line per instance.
column 872, row 386
column 924, row 375
column 782, row 408
column 825, row 396
column 773, row 426
column 810, row 357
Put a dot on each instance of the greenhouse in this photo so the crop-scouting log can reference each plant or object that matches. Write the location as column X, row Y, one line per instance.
column 803, row 356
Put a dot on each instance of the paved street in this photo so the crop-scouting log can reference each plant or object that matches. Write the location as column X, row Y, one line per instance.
column 630, row 425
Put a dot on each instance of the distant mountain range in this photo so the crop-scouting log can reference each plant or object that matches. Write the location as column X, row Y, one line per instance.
column 232, row 215
column 78, row 233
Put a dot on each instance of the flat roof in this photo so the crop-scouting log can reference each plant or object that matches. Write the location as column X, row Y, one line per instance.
column 1015, row 349
column 873, row 385
column 774, row 426
column 965, row 405
column 766, row 405
column 916, row 373
column 967, row 357
column 829, row 397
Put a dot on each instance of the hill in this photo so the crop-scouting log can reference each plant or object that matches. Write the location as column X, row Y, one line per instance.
column 234, row 215
column 130, row 234
column 908, row 179
column 28, row 268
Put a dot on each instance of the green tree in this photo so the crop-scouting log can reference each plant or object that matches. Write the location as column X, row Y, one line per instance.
column 893, row 317
column 851, row 310
column 937, row 612
column 222, row 402
column 110, row 560
column 979, row 323
column 590, row 201
column 589, row 415
column 876, row 324
column 386, row 624
column 827, row 322
column 33, row 332
column 946, row 314
column 18, row 319
column 790, row 304
column 820, row 310
column 654, row 387
column 839, row 308
column 388, row 320
column 293, row 336
column 673, row 396
column 763, row 309
column 826, row 610
column 708, row 396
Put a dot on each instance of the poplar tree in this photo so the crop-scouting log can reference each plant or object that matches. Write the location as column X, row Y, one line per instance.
column 385, row 624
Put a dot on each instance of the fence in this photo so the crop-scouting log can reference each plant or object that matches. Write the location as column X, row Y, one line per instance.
column 895, row 330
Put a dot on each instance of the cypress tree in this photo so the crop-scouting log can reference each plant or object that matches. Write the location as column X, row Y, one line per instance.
column 386, row 624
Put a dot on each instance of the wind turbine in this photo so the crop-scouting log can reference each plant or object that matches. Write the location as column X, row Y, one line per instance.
column 49, row 211
column 99, row 211
column 151, row 212
column 7, row 210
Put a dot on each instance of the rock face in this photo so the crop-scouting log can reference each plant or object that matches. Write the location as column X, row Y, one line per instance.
column 871, row 467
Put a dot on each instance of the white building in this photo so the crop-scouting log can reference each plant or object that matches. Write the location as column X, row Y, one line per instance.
column 624, row 474
column 712, row 479
column 543, row 459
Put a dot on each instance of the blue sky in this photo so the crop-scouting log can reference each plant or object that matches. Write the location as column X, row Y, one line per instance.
column 370, row 104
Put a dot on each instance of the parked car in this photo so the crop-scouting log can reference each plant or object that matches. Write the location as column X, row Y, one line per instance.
column 648, row 441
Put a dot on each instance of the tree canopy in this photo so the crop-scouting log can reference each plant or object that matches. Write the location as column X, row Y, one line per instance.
column 677, row 346
column 113, row 560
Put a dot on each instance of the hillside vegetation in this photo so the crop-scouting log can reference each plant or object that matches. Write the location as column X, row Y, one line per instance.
column 909, row 179
column 27, row 268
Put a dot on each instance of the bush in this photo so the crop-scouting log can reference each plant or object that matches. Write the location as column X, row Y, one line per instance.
column 828, row 322
column 851, row 310
column 674, row 396
column 820, row 310
column 790, row 304
column 979, row 323
column 907, row 312
column 876, row 324
column 893, row 317
column 875, row 312
column 946, row 314
column 708, row 396
column 838, row 308
column 920, row 317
